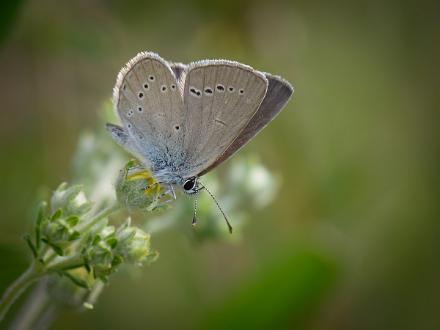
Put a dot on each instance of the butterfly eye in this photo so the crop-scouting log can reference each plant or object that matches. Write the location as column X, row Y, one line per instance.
column 189, row 185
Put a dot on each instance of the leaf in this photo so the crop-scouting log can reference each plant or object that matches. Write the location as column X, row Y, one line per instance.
column 87, row 265
column 58, row 250
column 72, row 220
column 31, row 245
column 112, row 242
column 81, row 283
column 74, row 236
column 56, row 215
column 117, row 260
column 40, row 219
column 96, row 239
column 103, row 278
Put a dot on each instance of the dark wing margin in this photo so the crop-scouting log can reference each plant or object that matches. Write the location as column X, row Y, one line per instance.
column 278, row 93
column 178, row 69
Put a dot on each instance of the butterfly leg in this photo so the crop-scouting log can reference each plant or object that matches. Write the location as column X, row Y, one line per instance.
column 167, row 193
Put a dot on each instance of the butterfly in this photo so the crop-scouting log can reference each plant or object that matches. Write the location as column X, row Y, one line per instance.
column 181, row 121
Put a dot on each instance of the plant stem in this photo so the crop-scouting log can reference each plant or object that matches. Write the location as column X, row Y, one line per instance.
column 17, row 288
column 37, row 303
column 65, row 264
column 103, row 214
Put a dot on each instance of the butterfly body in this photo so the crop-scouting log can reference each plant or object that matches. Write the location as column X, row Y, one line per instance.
column 181, row 121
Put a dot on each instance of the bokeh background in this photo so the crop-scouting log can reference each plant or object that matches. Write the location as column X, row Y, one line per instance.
column 352, row 239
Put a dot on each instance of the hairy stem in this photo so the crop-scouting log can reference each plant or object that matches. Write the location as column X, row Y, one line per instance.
column 65, row 264
column 102, row 215
column 36, row 304
column 18, row 287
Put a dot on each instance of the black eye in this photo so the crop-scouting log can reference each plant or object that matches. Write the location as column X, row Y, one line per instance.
column 189, row 184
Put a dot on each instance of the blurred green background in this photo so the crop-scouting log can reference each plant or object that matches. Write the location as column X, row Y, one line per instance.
column 352, row 240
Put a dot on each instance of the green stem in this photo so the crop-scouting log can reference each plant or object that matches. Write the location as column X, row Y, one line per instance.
column 65, row 264
column 35, row 271
column 103, row 214
column 17, row 288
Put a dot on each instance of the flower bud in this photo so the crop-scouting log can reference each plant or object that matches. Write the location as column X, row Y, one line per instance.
column 106, row 250
column 70, row 200
column 134, row 245
column 138, row 190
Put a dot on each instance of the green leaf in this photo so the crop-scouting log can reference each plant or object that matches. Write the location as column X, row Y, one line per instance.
column 72, row 220
column 74, row 236
column 112, row 242
column 40, row 220
column 58, row 250
column 96, row 239
column 56, row 215
column 87, row 265
column 31, row 245
column 117, row 260
column 103, row 278
column 81, row 283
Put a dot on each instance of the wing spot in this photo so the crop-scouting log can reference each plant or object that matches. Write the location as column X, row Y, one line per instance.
column 177, row 127
column 130, row 113
column 195, row 92
column 220, row 88
column 124, row 87
column 231, row 89
column 151, row 77
column 129, row 125
column 163, row 88
column 146, row 86
column 140, row 109
column 173, row 87
column 241, row 91
column 141, row 95
column 208, row 91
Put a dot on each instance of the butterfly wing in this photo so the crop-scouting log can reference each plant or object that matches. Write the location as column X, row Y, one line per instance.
column 278, row 93
column 148, row 100
column 220, row 98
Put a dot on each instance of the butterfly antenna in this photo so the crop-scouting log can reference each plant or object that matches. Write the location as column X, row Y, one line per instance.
column 219, row 207
column 194, row 220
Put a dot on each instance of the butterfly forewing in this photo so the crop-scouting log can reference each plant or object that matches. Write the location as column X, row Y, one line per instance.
column 149, row 102
column 220, row 98
column 278, row 93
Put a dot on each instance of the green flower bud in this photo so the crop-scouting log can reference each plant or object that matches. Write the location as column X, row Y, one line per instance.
column 134, row 245
column 138, row 190
column 108, row 248
column 70, row 200
column 98, row 254
column 59, row 229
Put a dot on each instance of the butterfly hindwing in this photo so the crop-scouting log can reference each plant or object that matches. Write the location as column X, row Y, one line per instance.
column 149, row 103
